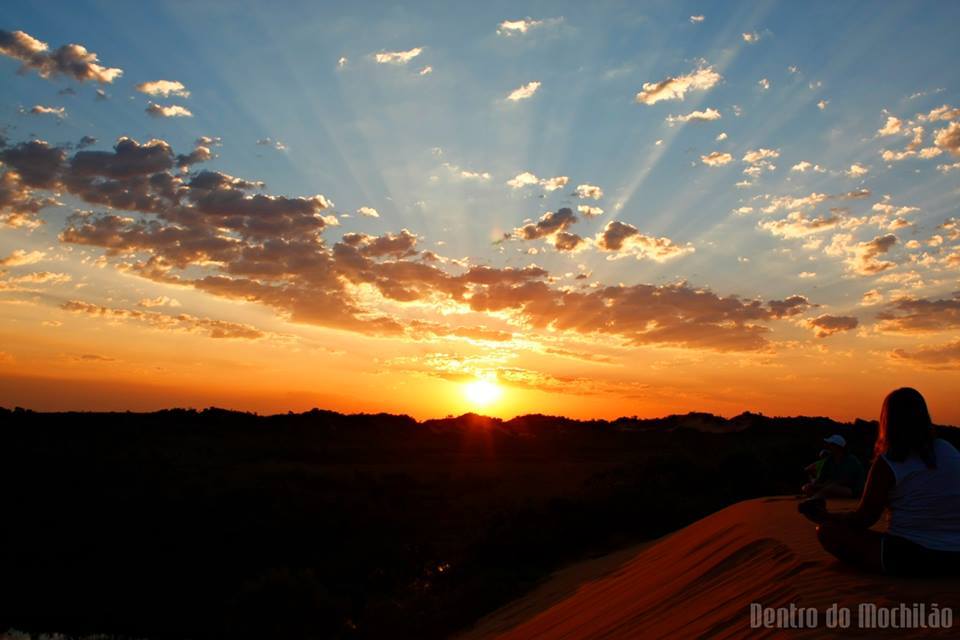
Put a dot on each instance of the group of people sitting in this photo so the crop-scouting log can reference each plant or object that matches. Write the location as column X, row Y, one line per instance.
column 914, row 475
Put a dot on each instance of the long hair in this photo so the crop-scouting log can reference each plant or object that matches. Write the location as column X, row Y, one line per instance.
column 905, row 427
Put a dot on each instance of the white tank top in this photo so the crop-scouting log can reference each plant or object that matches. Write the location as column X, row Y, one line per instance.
column 925, row 503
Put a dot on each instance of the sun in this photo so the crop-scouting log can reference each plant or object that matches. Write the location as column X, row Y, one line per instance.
column 482, row 392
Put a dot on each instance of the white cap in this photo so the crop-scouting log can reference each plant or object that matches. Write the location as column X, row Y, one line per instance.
column 837, row 440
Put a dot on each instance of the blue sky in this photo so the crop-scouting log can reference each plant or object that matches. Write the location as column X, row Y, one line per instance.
column 812, row 84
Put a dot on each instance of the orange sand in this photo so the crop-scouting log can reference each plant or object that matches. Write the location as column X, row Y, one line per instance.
column 701, row 580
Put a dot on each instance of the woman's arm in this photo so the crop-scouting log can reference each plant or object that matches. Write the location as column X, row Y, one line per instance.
column 880, row 481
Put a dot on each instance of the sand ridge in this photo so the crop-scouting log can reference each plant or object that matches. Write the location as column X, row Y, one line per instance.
column 701, row 580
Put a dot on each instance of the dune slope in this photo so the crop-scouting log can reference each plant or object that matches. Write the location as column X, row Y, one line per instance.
column 701, row 581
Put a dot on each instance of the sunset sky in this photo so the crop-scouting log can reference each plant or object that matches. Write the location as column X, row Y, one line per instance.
column 590, row 209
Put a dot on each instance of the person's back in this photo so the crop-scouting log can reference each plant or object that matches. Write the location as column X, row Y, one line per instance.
column 925, row 503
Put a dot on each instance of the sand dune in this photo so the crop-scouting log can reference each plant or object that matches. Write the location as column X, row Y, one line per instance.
column 701, row 580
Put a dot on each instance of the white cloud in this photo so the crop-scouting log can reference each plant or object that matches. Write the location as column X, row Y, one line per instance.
column 764, row 83
column 721, row 136
column 893, row 126
column 524, row 92
column 527, row 179
column 589, row 211
column 514, row 27
column 397, row 57
column 803, row 166
column 168, row 111
column 426, row 70
column 342, row 62
column 588, row 191
column 750, row 37
column 755, row 156
column 41, row 110
column 368, row 212
column 676, row 88
column 823, row 104
column 716, row 159
column 695, row 116
column 165, row 88
column 857, row 170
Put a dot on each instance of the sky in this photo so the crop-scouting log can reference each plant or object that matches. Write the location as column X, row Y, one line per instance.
column 591, row 209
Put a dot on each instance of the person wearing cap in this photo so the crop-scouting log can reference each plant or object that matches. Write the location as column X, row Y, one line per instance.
column 840, row 475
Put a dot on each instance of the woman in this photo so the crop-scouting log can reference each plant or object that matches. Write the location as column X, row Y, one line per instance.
column 917, row 477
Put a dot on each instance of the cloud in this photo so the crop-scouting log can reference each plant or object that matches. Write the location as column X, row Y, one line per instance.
column 862, row 258
column 159, row 301
column 750, row 37
column 164, row 88
column 798, row 225
column 71, row 60
column 803, row 166
column 825, row 325
column 589, row 211
column 624, row 240
column 180, row 322
column 857, row 170
column 20, row 257
column 676, row 88
column 920, row 315
column 755, row 156
column 270, row 142
column 695, row 116
column 168, row 111
column 524, row 92
column 397, row 57
column 368, row 212
column 224, row 236
column 721, row 136
column 949, row 138
column 584, row 191
column 427, row 70
column 342, row 62
column 41, row 110
column 822, row 104
column 945, row 112
column 892, row 127
column 943, row 356
column 552, row 226
column 871, row 297
column 791, row 306
column 716, row 159
column 764, row 83
column 527, row 179
column 697, row 19
column 514, row 27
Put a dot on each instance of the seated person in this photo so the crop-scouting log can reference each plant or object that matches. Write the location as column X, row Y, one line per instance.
column 840, row 475
column 917, row 477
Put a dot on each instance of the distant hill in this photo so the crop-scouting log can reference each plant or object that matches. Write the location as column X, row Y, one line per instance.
column 217, row 523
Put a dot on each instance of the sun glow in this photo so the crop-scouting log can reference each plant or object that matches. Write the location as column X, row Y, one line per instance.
column 482, row 393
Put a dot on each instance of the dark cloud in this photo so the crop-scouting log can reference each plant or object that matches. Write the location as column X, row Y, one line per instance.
column 920, row 315
column 71, row 60
column 170, row 322
column 791, row 306
column 944, row 356
column 222, row 235
column 826, row 325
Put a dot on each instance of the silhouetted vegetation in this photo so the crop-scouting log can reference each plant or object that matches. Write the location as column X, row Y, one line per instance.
column 212, row 524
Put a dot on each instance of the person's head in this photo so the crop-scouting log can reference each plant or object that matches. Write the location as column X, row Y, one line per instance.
column 905, row 427
column 836, row 445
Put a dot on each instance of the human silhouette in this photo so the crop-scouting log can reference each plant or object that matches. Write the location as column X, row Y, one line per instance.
column 916, row 476
column 839, row 474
